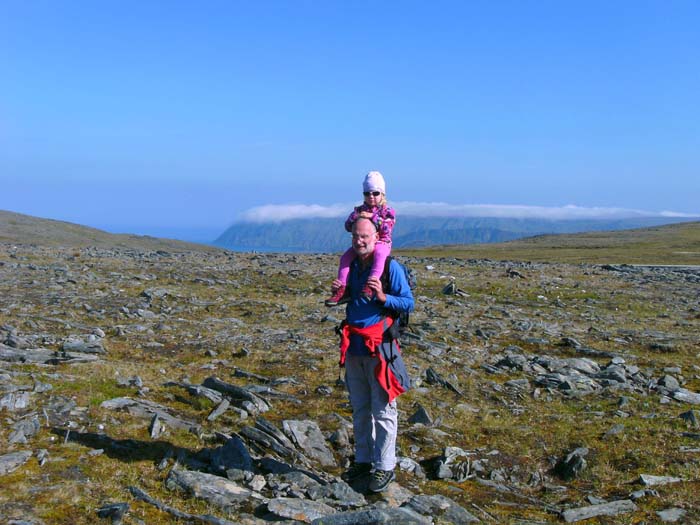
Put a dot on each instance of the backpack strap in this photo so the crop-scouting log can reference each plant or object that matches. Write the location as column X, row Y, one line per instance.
column 384, row 279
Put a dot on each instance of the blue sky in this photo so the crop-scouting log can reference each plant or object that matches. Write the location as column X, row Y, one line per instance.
column 143, row 116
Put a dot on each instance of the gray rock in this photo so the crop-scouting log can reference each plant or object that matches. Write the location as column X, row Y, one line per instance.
column 671, row 515
column 147, row 409
column 433, row 378
column 442, row 507
column 216, row 490
column 12, row 461
column 256, row 403
column 421, row 416
column 375, row 516
column 24, row 430
column 644, row 493
column 614, row 430
column 395, row 495
column 308, row 437
column 324, row 390
column 299, row 509
column 266, row 441
column 339, row 491
column 271, row 430
column 14, row 401
column 43, row 355
column 340, row 438
column 570, row 466
column 686, row 396
column 669, row 382
column 200, row 391
column 613, row 508
column 156, row 428
column 450, row 289
column 689, row 417
column 42, row 456
column 83, row 347
column 411, row 465
column 134, row 381
column 583, row 365
column 231, row 455
column 219, row 410
column 614, row 373
column 115, row 512
column 650, row 481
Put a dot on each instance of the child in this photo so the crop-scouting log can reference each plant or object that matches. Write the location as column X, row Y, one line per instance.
column 383, row 217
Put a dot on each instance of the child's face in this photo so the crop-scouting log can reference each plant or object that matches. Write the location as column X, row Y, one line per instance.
column 373, row 198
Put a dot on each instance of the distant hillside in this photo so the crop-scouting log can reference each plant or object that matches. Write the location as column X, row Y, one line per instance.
column 16, row 228
column 328, row 235
column 668, row 244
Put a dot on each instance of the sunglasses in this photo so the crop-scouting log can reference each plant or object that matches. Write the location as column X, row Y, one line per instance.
column 372, row 193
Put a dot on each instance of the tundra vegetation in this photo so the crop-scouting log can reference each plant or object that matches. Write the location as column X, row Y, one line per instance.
column 553, row 382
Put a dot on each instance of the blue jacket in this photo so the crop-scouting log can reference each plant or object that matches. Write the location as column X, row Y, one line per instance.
column 363, row 312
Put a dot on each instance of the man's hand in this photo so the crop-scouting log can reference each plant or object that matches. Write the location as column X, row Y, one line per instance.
column 376, row 286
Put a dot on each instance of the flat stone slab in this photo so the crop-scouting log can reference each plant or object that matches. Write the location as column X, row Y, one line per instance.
column 12, row 461
column 686, row 396
column 299, row 509
column 389, row 516
column 43, row 355
column 83, row 347
column 216, row 490
column 612, row 508
column 308, row 437
column 671, row 515
column 146, row 410
column 438, row 505
column 14, row 401
column 649, row 480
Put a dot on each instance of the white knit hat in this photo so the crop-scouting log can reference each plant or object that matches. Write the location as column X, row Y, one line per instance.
column 374, row 182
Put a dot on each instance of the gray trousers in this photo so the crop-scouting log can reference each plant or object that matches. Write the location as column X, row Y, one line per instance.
column 374, row 419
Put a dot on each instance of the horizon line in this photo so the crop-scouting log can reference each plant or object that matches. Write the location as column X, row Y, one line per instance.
column 276, row 213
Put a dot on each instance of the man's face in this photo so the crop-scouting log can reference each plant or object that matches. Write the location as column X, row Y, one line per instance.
column 364, row 237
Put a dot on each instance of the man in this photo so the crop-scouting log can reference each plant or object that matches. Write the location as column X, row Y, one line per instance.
column 375, row 374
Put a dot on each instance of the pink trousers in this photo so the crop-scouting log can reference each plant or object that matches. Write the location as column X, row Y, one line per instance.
column 381, row 252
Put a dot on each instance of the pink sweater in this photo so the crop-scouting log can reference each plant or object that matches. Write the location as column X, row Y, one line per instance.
column 383, row 218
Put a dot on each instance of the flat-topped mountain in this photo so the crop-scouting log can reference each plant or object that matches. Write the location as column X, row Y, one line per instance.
column 17, row 228
column 324, row 235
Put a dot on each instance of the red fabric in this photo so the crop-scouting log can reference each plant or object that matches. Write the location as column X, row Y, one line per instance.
column 373, row 336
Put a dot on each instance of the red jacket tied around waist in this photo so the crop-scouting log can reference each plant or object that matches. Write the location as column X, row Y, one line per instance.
column 373, row 338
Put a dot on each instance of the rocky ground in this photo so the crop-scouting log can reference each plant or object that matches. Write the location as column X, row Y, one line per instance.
column 160, row 387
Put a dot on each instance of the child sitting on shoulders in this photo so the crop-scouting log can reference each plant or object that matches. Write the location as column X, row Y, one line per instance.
column 383, row 217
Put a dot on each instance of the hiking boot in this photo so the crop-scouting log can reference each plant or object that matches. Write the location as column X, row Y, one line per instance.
column 356, row 471
column 380, row 480
column 338, row 297
column 367, row 292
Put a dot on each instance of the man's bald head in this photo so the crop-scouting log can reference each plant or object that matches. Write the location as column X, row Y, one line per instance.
column 364, row 237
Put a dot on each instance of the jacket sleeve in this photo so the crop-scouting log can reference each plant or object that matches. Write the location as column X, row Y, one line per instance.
column 401, row 297
column 352, row 218
column 386, row 221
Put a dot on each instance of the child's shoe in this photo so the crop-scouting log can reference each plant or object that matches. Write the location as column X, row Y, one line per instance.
column 338, row 297
column 367, row 292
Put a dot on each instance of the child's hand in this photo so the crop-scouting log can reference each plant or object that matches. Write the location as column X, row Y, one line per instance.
column 335, row 285
column 365, row 215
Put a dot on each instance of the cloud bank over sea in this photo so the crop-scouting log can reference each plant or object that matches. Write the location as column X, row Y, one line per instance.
column 275, row 213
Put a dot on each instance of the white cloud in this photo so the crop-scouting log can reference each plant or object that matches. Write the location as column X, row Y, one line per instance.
column 285, row 212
